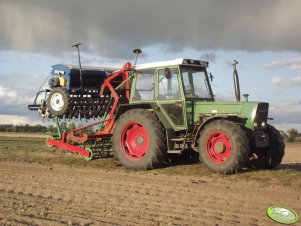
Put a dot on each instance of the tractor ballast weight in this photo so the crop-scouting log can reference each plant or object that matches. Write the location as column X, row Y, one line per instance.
column 164, row 107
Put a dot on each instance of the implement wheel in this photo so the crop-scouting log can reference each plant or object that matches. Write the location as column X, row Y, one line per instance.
column 58, row 101
column 139, row 140
column 271, row 156
column 223, row 147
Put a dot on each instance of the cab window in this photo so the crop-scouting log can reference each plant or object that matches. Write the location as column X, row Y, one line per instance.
column 195, row 83
column 145, row 85
column 168, row 84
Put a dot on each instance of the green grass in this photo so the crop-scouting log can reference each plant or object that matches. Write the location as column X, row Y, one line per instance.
column 9, row 144
column 23, row 134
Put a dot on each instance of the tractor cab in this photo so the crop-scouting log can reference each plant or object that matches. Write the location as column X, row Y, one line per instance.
column 174, row 87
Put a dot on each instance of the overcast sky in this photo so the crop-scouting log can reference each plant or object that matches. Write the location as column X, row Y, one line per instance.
column 264, row 36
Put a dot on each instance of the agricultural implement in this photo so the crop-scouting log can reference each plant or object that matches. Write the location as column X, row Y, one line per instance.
column 143, row 112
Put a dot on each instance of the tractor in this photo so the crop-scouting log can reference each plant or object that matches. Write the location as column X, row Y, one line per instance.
column 144, row 112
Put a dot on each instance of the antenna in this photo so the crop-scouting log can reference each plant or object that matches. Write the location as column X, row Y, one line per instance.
column 137, row 52
column 80, row 65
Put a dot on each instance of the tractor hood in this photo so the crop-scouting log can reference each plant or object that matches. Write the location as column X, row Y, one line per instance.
column 255, row 113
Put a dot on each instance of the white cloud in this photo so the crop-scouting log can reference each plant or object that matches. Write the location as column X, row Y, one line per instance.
column 225, row 96
column 18, row 120
column 8, row 96
column 286, row 114
column 291, row 63
column 289, row 106
column 293, row 81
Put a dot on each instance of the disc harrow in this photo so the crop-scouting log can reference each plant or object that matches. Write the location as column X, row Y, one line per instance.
column 99, row 104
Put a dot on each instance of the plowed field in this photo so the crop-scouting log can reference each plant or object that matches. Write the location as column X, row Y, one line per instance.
column 42, row 187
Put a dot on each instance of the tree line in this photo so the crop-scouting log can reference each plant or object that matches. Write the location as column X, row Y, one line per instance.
column 23, row 128
column 38, row 128
column 291, row 135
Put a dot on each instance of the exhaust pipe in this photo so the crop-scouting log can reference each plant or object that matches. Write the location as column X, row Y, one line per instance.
column 236, row 81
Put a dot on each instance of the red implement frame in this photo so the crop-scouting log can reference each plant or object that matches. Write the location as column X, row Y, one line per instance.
column 108, row 88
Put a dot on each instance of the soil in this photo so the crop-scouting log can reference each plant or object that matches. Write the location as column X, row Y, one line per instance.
column 40, row 190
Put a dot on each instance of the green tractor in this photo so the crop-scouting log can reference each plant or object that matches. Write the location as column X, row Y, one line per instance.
column 149, row 111
column 172, row 109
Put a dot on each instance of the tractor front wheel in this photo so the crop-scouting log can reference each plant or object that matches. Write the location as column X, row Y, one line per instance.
column 223, row 147
column 139, row 140
column 271, row 156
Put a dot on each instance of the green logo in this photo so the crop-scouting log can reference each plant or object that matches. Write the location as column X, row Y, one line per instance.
column 282, row 215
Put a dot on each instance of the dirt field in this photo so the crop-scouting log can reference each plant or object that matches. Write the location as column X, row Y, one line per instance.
column 43, row 187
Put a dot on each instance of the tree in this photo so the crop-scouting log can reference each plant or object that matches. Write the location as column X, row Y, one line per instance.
column 51, row 129
column 284, row 135
column 22, row 128
column 292, row 134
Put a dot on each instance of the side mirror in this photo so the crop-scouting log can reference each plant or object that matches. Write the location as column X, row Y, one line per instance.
column 167, row 73
column 211, row 77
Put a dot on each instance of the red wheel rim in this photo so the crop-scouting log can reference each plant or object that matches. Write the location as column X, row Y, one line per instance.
column 218, row 147
column 134, row 141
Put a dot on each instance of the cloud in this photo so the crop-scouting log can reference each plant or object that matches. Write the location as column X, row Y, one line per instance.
column 211, row 57
column 8, row 96
column 293, row 81
column 18, row 120
column 290, row 106
column 224, row 96
column 291, row 63
column 286, row 112
column 15, row 101
column 113, row 28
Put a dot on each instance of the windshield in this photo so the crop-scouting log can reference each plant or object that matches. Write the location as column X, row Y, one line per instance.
column 195, row 83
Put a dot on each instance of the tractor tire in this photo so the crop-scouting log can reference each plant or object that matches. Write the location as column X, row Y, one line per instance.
column 271, row 156
column 139, row 140
column 58, row 101
column 223, row 147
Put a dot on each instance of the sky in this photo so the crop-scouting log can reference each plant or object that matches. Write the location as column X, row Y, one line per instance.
column 264, row 36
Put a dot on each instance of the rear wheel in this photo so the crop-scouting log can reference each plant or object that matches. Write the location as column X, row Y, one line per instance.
column 223, row 147
column 139, row 140
column 271, row 156
column 58, row 101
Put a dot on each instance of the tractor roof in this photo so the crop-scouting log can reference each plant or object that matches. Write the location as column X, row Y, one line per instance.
column 84, row 68
column 176, row 62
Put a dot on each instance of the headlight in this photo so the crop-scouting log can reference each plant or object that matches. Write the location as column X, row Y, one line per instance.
column 255, row 124
column 263, row 124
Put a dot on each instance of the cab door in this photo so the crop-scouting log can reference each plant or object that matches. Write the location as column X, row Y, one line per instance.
column 170, row 98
